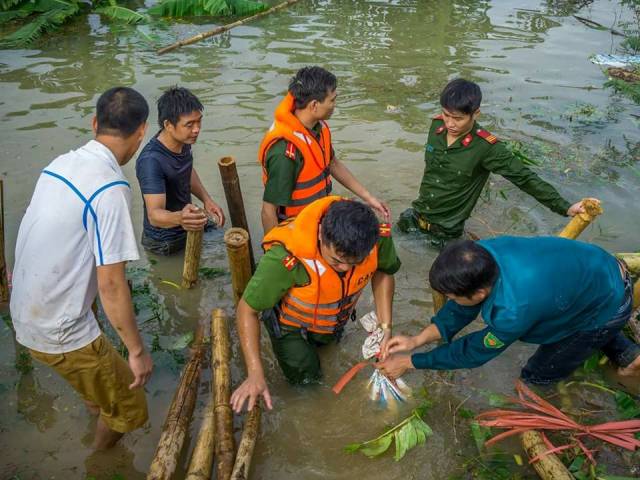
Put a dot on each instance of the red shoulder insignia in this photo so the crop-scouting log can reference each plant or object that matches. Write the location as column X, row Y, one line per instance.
column 438, row 117
column 440, row 129
column 289, row 262
column 385, row 229
column 489, row 137
column 290, row 151
column 467, row 140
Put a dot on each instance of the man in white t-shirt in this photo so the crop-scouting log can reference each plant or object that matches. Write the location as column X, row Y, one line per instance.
column 74, row 241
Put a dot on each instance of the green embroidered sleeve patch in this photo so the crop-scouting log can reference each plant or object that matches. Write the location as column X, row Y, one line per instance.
column 491, row 341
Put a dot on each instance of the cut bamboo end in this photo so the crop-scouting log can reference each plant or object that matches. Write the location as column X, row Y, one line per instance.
column 577, row 224
column 247, row 444
column 226, row 161
column 237, row 242
column 192, row 253
column 548, row 466
column 632, row 260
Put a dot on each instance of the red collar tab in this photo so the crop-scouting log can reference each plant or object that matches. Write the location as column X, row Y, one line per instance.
column 441, row 129
column 489, row 137
column 385, row 229
column 290, row 151
column 438, row 117
column 289, row 262
column 467, row 140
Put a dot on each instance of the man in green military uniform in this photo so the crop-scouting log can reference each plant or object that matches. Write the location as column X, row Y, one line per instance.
column 459, row 156
column 307, row 286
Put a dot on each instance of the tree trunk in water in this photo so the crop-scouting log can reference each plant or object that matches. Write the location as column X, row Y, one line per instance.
column 224, row 441
column 176, row 425
column 548, row 467
column 233, row 194
column 237, row 241
column 582, row 220
column 192, row 259
column 247, row 444
column 4, row 278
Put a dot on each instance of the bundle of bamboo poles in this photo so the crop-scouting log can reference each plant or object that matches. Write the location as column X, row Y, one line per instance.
column 179, row 415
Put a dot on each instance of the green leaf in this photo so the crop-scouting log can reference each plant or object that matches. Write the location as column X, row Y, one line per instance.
column 401, row 446
column 480, row 435
column 372, row 448
column 217, row 7
column 246, row 7
column 211, row 272
column 116, row 12
column 182, row 341
column 615, row 477
column 627, row 406
column 43, row 22
column 12, row 15
column 9, row 4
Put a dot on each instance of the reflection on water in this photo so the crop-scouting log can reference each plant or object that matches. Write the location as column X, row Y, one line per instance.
column 392, row 58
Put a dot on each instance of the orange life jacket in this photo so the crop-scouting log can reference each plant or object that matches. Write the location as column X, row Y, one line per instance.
column 328, row 300
column 314, row 179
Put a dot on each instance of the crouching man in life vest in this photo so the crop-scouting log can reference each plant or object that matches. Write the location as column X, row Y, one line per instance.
column 307, row 285
column 296, row 154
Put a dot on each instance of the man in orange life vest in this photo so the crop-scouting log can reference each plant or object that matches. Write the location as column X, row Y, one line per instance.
column 307, row 284
column 296, row 154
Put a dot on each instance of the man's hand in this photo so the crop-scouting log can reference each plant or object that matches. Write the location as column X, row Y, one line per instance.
column 401, row 343
column 192, row 218
column 214, row 210
column 578, row 207
column 251, row 389
column 380, row 207
column 394, row 366
column 141, row 366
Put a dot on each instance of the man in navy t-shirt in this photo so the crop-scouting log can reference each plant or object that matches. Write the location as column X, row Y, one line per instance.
column 167, row 177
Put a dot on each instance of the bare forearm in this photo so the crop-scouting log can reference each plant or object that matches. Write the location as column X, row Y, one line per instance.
column 383, row 286
column 162, row 218
column 269, row 215
column 197, row 188
column 249, row 333
column 116, row 302
column 428, row 335
column 343, row 175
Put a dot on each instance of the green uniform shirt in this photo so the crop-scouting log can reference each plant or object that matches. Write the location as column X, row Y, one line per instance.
column 282, row 171
column 454, row 177
column 272, row 280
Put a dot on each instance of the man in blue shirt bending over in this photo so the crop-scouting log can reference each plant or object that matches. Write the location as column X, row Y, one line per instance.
column 569, row 297
column 167, row 177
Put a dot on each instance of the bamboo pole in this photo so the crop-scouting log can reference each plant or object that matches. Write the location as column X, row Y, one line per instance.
column 201, row 463
column 233, row 194
column 192, row 258
column 224, row 28
column 178, row 418
column 237, row 241
column 632, row 261
column 4, row 280
column 582, row 220
column 548, row 467
column 247, row 444
column 224, row 441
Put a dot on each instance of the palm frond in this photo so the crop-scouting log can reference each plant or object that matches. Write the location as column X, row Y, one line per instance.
column 123, row 14
column 178, row 8
column 217, row 7
column 183, row 8
column 12, row 15
column 9, row 4
column 245, row 7
column 43, row 22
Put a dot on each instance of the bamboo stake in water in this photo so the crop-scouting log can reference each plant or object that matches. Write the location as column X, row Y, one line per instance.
column 224, row 442
column 4, row 282
column 247, row 444
column 237, row 241
column 192, row 253
column 233, row 194
column 179, row 415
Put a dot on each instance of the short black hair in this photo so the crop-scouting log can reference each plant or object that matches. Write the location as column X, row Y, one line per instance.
column 174, row 103
column 312, row 83
column 462, row 96
column 462, row 268
column 351, row 228
column 120, row 111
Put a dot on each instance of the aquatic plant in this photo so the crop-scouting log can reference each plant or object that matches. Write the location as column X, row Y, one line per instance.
column 407, row 434
column 186, row 8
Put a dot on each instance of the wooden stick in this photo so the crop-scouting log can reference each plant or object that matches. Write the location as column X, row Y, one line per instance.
column 224, row 28
column 237, row 241
column 599, row 26
column 582, row 220
column 548, row 467
column 224, row 441
column 4, row 281
column 233, row 194
column 192, row 258
column 632, row 260
column 247, row 444
column 178, row 418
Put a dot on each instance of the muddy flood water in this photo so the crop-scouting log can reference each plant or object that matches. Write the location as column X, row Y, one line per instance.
column 392, row 58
